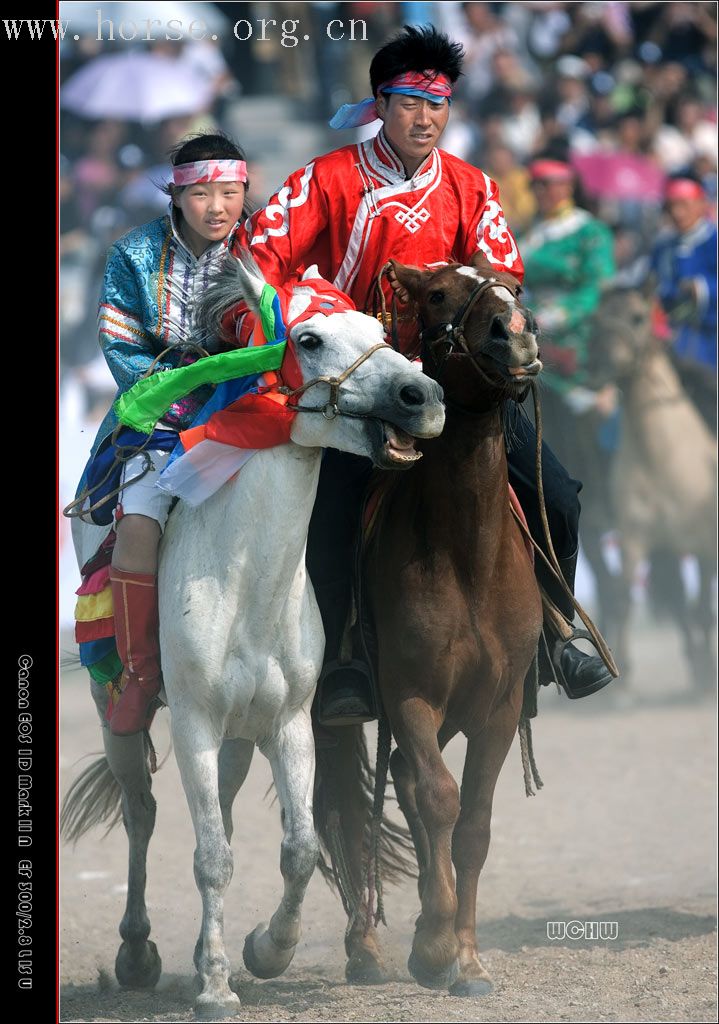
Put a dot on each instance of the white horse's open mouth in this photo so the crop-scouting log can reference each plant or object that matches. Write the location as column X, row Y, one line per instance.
column 398, row 447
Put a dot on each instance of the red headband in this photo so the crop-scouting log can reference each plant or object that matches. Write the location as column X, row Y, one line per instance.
column 684, row 188
column 554, row 169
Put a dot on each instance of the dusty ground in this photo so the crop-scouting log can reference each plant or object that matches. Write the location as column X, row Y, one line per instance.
column 624, row 830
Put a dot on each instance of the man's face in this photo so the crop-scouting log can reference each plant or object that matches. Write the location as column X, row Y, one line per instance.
column 684, row 213
column 412, row 125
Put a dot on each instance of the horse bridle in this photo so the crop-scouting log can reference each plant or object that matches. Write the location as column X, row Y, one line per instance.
column 331, row 408
column 451, row 333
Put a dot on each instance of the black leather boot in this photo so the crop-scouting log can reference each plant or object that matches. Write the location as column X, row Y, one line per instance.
column 578, row 674
column 345, row 695
column 345, row 691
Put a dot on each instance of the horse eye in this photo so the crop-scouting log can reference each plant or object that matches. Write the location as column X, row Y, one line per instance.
column 310, row 341
column 436, row 298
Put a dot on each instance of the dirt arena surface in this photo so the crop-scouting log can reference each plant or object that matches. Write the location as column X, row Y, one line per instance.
column 623, row 831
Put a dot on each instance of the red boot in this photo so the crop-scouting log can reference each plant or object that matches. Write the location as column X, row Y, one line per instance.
column 137, row 623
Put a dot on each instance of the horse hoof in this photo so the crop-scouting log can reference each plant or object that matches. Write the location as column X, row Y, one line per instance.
column 263, row 957
column 363, row 969
column 437, row 980
column 471, row 987
column 209, row 1006
column 138, row 966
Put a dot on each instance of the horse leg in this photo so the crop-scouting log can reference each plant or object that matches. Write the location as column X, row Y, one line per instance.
column 632, row 552
column 486, row 754
column 606, row 582
column 406, row 790
column 197, row 743
column 433, row 961
column 704, row 617
column 269, row 948
column 233, row 765
column 138, row 963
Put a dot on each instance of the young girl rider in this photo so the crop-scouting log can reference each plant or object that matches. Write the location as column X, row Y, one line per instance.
column 154, row 277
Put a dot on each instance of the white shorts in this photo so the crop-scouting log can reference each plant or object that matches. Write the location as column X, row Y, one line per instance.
column 143, row 498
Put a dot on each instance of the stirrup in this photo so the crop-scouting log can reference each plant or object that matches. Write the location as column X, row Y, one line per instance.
column 350, row 708
column 557, row 650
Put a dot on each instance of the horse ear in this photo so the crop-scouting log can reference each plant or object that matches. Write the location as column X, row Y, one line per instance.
column 480, row 263
column 238, row 278
column 406, row 281
column 312, row 272
column 250, row 280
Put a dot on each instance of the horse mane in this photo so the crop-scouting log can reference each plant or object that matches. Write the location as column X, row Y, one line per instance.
column 223, row 291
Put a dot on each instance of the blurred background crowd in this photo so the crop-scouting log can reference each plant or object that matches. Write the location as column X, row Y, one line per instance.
column 624, row 91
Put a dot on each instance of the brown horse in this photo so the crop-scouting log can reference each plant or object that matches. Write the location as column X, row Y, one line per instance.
column 458, row 617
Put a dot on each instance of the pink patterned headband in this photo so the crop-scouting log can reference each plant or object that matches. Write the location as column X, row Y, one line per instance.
column 203, row 171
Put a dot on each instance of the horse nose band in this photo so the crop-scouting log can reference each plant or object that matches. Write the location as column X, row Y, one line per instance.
column 331, row 409
column 451, row 333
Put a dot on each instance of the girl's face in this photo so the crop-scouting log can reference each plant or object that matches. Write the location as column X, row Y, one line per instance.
column 210, row 211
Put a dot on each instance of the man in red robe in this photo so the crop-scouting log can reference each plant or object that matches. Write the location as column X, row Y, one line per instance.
column 398, row 195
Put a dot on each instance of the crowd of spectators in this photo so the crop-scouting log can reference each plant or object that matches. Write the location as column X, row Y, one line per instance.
column 627, row 90
column 628, row 87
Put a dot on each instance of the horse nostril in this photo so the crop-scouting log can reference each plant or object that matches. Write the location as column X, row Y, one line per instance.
column 412, row 395
column 499, row 329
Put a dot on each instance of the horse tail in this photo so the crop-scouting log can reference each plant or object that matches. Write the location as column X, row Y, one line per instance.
column 665, row 585
column 95, row 798
column 344, row 791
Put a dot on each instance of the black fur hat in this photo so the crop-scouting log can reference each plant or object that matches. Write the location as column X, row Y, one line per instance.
column 416, row 49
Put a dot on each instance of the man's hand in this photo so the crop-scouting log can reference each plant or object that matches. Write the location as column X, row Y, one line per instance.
column 562, row 360
column 582, row 400
column 683, row 309
column 606, row 400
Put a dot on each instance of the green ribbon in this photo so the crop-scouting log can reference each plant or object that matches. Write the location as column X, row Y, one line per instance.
column 145, row 402
column 107, row 669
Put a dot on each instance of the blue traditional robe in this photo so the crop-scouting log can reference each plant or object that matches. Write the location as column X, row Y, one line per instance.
column 677, row 259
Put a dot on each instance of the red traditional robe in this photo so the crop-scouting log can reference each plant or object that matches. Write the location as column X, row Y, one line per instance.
column 353, row 209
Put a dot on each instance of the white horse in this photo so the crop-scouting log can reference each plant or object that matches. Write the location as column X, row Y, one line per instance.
column 242, row 644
